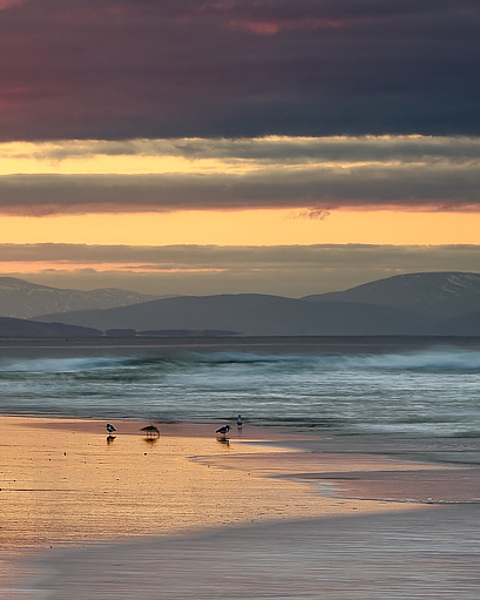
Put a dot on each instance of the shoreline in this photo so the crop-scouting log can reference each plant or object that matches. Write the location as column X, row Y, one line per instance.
column 263, row 477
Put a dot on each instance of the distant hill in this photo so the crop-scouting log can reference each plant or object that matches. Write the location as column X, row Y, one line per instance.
column 254, row 314
column 25, row 300
column 445, row 295
column 417, row 304
column 20, row 328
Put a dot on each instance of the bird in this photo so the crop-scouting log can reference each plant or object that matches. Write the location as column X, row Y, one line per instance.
column 223, row 430
column 239, row 421
column 110, row 428
column 151, row 430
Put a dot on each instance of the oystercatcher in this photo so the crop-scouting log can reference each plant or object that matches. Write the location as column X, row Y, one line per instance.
column 223, row 430
column 110, row 428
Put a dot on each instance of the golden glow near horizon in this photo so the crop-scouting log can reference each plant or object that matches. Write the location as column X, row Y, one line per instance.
column 15, row 267
column 375, row 224
column 268, row 227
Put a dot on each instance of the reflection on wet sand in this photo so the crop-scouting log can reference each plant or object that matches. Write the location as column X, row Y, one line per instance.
column 417, row 555
column 150, row 440
column 66, row 486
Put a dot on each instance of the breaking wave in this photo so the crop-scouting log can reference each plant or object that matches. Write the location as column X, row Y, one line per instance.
column 429, row 360
column 348, row 388
column 434, row 359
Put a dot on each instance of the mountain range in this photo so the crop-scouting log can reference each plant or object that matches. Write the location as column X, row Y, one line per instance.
column 24, row 300
column 440, row 294
column 414, row 304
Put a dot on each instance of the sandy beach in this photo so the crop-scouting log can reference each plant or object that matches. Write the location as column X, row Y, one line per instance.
column 269, row 515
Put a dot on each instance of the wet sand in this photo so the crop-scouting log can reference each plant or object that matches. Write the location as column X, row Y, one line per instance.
column 415, row 555
column 247, row 517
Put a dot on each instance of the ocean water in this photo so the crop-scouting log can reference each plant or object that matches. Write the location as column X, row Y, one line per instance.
column 413, row 386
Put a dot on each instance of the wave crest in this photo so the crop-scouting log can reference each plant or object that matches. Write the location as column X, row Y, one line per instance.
column 428, row 360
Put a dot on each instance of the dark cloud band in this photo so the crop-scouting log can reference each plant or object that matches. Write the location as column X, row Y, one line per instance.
column 267, row 150
column 117, row 69
column 226, row 257
column 443, row 186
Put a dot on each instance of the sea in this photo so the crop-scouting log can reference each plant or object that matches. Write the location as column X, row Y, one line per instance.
column 345, row 385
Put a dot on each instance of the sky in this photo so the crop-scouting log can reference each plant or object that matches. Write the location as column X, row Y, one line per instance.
column 287, row 147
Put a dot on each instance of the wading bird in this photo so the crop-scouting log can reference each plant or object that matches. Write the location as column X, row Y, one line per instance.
column 222, row 431
column 151, row 431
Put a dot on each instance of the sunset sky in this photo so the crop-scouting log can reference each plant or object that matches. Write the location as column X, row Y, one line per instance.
column 288, row 147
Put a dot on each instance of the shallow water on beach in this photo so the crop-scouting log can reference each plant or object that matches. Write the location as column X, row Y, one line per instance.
column 386, row 399
column 65, row 483
column 415, row 386
column 430, row 555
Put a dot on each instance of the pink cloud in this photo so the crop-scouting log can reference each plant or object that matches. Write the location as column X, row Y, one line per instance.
column 260, row 27
column 257, row 27
column 7, row 3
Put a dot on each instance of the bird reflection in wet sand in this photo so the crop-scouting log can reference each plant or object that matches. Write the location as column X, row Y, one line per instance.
column 150, row 440
column 224, row 441
column 110, row 439
column 151, row 431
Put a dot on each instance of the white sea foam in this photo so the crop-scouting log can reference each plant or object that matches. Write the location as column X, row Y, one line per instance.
column 61, row 365
column 427, row 359
column 372, row 386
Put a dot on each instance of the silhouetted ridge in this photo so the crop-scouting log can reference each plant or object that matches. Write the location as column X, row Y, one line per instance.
column 10, row 327
column 419, row 304
column 446, row 294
